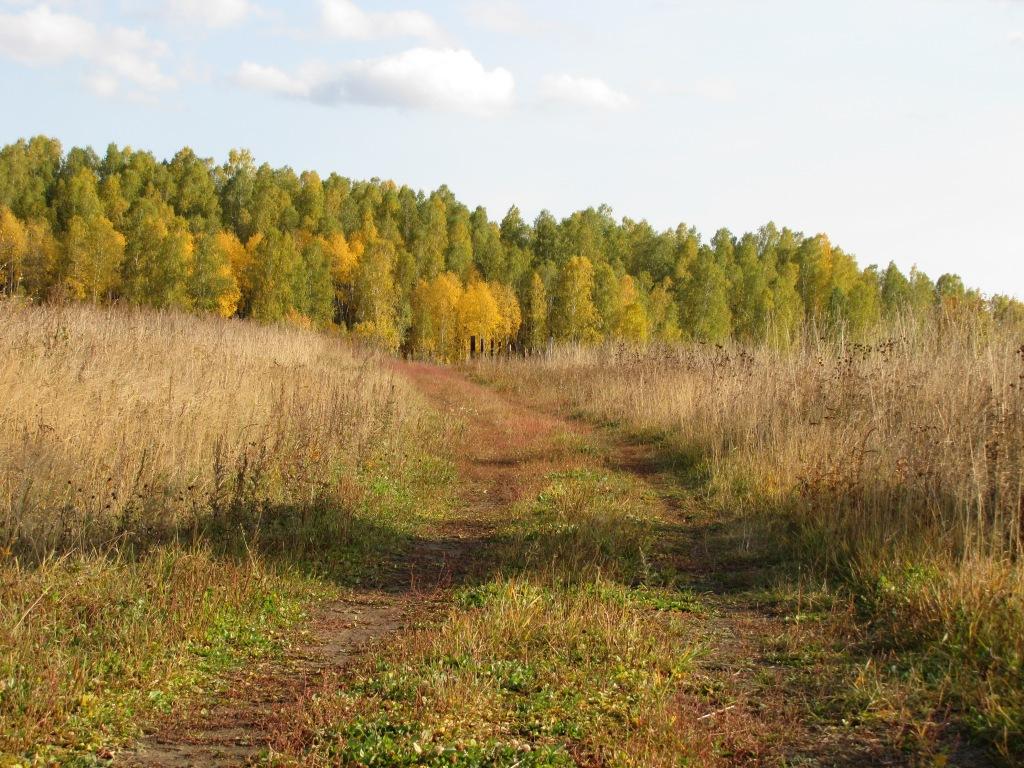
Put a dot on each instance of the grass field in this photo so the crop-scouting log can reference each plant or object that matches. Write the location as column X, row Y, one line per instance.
column 174, row 494
column 889, row 477
column 226, row 543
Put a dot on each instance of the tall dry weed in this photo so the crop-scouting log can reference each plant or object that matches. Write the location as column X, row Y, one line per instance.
column 136, row 426
column 895, row 469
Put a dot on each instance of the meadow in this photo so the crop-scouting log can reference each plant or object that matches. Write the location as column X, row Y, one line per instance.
column 175, row 492
column 884, row 479
column 607, row 555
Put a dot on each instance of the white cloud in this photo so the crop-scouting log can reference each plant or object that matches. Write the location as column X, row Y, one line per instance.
column 505, row 16
column 274, row 80
column 132, row 55
column 39, row 36
column 102, row 84
column 209, row 13
column 1017, row 37
column 421, row 78
column 432, row 79
column 582, row 92
column 343, row 18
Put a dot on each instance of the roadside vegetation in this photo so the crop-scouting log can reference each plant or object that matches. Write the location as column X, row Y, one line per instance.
column 175, row 493
column 882, row 481
column 738, row 556
column 564, row 651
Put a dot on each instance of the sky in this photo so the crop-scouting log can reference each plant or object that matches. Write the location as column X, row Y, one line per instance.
column 894, row 126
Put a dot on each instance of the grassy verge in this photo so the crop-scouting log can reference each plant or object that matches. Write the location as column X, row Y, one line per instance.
column 882, row 481
column 94, row 645
column 174, row 494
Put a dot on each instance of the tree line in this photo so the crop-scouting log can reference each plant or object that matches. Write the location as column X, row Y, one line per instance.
column 423, row 272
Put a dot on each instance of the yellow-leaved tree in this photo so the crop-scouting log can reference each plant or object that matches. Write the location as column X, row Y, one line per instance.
column 93, row 252
column 510, row 316
column 213, row 285
column 41, row 258
column 435, row 317
column 241, row 258
column 633, row 321
column 159, row 255
column 13, row 247
column 479, row 315
column 343, row 260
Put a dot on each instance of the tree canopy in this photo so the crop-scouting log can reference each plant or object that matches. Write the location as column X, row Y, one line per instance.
column 424, row 272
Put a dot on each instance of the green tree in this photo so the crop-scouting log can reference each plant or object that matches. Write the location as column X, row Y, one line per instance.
column 459, row 256
column 922, row 294
column 310, row 204
column 787, row 307
column 77, row 194
column 375, row 295
column 488, row 252
column 157, row 263
column 536, row 314
column 864, row 304
column 212, row 285
column 312, row 285
column 276, row 260
column 663, row 313
column 236, row 182
column 192, row 192
column 545, row 237
column 704, row 300
column 634, row 324
column 432, row 242
column 574, row 317
column 895, row 292
column 813, row 257
column 115, row 204
column 515, row 233
column 28, row 173
column 752, row 294
column 608, row 298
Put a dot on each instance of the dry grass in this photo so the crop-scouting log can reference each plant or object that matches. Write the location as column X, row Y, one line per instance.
column 896, row 470
column 164, row 480
column 141, row 425
column 916, row 443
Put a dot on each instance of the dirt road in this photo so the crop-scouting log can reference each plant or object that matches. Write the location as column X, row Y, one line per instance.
column 750, row 700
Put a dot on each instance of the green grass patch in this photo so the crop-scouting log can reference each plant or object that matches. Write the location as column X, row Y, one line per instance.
column 94, row 645
column 91, row 646
column 584, row 523
column 519, row 674
column 574, row 653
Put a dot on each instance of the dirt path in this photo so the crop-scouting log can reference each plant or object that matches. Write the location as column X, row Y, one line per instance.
column 505, row 450
column 753, row 698
column 745, row 701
